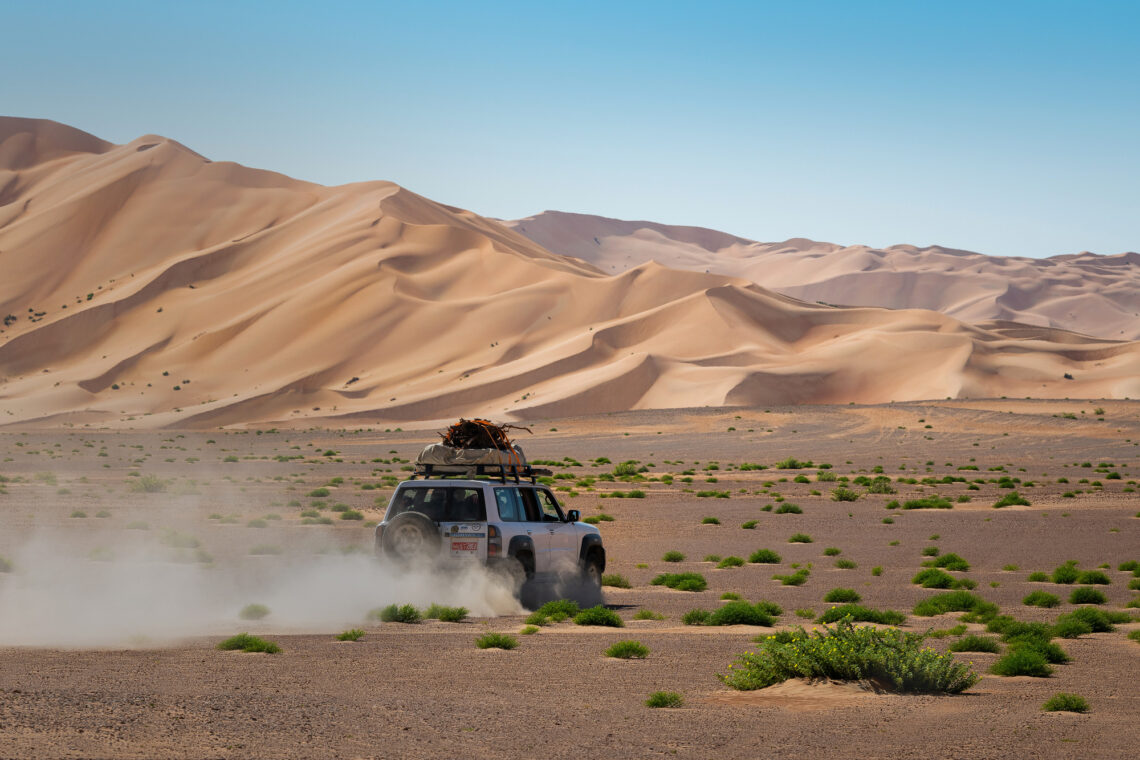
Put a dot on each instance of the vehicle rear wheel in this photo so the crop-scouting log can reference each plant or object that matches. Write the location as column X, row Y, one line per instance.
column 410, row 536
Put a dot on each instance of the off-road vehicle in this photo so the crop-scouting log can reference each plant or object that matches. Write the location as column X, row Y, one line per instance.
column 493, row 515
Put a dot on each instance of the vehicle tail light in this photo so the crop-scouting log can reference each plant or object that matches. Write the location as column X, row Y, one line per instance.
column 494, row 542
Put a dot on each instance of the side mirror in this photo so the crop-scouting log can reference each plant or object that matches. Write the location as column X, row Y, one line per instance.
column 573, row 516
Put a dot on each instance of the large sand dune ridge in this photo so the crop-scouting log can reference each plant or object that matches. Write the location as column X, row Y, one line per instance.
column 1085, row 292
column 148, row 286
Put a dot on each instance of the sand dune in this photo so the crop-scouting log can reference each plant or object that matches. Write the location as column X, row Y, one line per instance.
column 148, row 286
column 1086, row 293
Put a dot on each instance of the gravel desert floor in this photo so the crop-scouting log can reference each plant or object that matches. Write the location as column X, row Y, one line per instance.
column 126, row 556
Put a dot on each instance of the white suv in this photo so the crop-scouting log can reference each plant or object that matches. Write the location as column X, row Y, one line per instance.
column 515, row 525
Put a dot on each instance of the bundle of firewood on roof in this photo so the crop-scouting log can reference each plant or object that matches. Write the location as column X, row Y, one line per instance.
column 480, row 434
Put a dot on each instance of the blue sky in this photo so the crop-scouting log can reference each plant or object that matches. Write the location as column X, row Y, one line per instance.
column 1007, row 127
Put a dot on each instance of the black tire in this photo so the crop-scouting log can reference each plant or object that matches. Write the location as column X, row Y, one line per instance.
column 592, row 571
column 410, row 536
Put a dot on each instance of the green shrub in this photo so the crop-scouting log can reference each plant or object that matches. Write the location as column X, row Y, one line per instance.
column 929, row 502
column 949, row 561
column 712, row 558
column 1093, row 577
column 1040, row 599
column 246, row 643
column 1130, row 566
column 673, row 556
column 876, row 571
column 615, row 580
column 1100, row 621
column 842, row 595
column 496, row 641
column 1062, row 702
column 599, row 615
column 765, row 557
column 1052, row 653
column 253, row 612
column 399, row 613
column 710, row 521
column 528, row 630
column 942, row 633
column 739, row 613
column 771, row 608
column 1069, row 627
column 445, row 614
column 849, row 653
column 933, row 578
column 952, row 601
column 1038, row 577
column 628, row 650
column 1022, row 661
column 148, row 484
column 1010, row 499
column 319, row 493
column 844, row 494
column 1066, row 573
column 558, row 609
column 648, row 615
column 681, row 581
column 930, row 551
column 798, row 578
column 664, row 699
column 832, row 551
column 352, row 634
column 1087, row 595
column 860, row 614
column 800, row 538
column 788, row 509
column 975, row 644
column 730, row 562
column 695, row 617
column 748, row 525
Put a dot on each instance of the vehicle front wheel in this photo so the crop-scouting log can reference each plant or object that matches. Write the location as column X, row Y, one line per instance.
column 592, row 571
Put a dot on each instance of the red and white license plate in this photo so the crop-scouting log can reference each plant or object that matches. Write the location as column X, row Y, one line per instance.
column 464, row 546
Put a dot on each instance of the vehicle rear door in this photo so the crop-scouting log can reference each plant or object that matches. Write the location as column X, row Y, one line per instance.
column 464, row 523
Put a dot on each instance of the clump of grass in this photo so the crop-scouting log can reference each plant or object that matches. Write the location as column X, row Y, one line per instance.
column 844, row 494
column 445, row 614
column 800, row 538
column 599, row 615
column 788, row 509
column 730, row 562
column 942, row 633
column 949, row 561
column 1022, row 661
column 246, row 643
column 528, row 630
column 1093, row 577
column 877, row 570
column 496, row 641
column 648, row 615
column 859, row 614
column 1038, row 577
column 351, row 514
column 975, row 643
column 748, row 524
column 148, row 484
column 740, row 613
column 1063, row 702
column 765, row 557
column 554, row 611
column 673, row 556
column 710, row 521
column 933, row 578
column 628, row 650
column 695, row 617
column 1011, row 499
column 952, row 601
column 1040, row 599
column 929, row 502
column 664, row 699
column 798, row 578
column 1087, row 595
column 849, row 653
column 399, row 613
column 832, row 551
column 842, row 595
column 614, row 580
column 845, row 564
column 1066, row 573
column 352, row 634
column 253, row 612
column 681, row 581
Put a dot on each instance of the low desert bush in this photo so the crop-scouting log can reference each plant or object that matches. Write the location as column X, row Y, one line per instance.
column 1040, row 599
column 1038, row 577
column 445, row 614
column 1093, row 578
column 949, row 561
column 245, row 643
column 496, row 641
column 952, row 601
column 849, row 653
column 615, row 580
column 599, row 615
column 1066, row 573
column 681, row 581
column 399, row 613
column 740, row 613
column 730, row 562
column 844, row 494
column 1022, row 661
column 798, row 578
column 860, row 614
column 695, row 617
column 1087, row 595
column 710, row 521
column 1063, row 702
column 628, row 650
column 788, row 509
column 764, row 556
column 974, row 643
column 1011, row 499
column 664, row 699
column 353, row 634
column 929, row 502
column 842, row 595
column 748, row 525
column 673, row 556
column 799, row 538
column 648, row 615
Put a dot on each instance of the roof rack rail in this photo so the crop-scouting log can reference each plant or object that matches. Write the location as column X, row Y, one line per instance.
column 500, row 472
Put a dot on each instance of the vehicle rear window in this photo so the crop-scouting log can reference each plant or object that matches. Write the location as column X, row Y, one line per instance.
column 449, row 503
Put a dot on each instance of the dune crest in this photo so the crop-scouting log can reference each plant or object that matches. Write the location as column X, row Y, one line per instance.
column 1085, row 293
column 145, row 286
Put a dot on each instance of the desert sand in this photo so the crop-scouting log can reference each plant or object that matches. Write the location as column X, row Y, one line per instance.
column 116, row 663
column 147, row 286
column 1084, row 292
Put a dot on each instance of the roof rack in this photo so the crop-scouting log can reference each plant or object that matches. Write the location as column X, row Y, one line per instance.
column 500, row 472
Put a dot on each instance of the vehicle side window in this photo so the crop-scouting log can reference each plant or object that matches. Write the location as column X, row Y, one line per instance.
column 533, row 511
column 550, row 510
column 510, row 505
